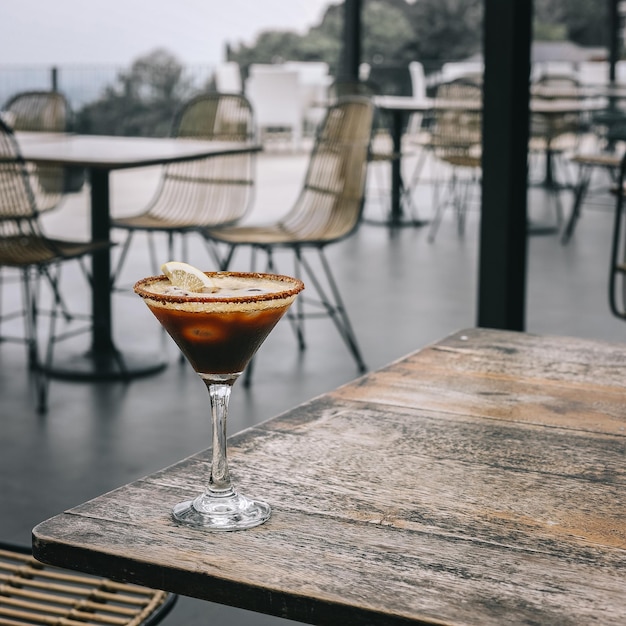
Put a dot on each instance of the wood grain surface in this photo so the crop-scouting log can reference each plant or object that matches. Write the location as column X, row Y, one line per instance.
column 477, row 481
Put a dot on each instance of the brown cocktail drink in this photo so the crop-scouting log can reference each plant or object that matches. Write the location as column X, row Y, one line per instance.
column 218, row 324
column 220, row 329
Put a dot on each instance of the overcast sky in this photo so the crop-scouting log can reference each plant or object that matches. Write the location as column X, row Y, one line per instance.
column 118, row 31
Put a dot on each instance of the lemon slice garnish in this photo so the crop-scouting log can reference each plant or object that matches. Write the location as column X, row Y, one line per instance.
column 186, row 276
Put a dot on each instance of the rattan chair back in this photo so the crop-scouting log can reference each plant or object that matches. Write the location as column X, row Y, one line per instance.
column 45, row 112
column 456, row 134
column 328, row 209
column 560, row 132
column 331, row 200
column 39, row 111
column 18, row 211
column 211, row 191
column 456, row 142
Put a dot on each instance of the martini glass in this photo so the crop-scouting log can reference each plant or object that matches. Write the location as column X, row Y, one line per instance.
column 218, row 330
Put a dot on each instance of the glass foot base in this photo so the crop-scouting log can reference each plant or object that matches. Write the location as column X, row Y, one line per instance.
column 230, row 512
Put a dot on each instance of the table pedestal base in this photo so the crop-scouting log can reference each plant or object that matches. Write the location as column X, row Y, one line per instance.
column 110, row 366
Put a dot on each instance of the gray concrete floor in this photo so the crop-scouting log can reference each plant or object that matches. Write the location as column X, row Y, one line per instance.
column 401, row 291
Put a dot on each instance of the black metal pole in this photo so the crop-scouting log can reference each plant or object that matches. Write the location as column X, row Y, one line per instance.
column 503, row 241
column 614, row 27
column 351, row 48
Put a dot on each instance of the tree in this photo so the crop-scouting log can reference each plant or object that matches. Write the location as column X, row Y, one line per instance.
column 446, row 30
column 584, row 22
column 142, row 102
column 432, row 31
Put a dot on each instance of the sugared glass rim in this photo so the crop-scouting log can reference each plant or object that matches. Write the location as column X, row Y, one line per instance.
column 296, row 287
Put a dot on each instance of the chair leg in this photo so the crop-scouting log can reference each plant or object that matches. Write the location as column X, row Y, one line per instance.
column 335, row 307
column 580, row 191
column 39, row 374
column 29, row 305
column 617, row 274
column 294, row 319
column 122, row 258
column 448, row 196
column 330, row 300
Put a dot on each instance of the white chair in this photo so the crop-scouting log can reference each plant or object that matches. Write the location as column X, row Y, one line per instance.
column 620, row 71
column 275, row 97
column 541, row 69
column 454, row 70
column 593, row 73
column 313, row 80
column 228, row 78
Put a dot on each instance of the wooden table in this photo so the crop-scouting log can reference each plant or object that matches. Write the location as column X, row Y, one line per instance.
column 101, row 155
column 480, row 480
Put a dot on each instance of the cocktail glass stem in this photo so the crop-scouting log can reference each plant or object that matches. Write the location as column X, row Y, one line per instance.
column 220, row 507
column 219, row 393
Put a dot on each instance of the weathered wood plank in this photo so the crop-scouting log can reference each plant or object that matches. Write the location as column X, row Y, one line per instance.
column 539, row 510
column 580, row 361
column 460, row 485
column 504, row 381
column 446, row 579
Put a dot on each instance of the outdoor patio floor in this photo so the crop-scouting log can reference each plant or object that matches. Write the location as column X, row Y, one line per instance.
column 401, row 291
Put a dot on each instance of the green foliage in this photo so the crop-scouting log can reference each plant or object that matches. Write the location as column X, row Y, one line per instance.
column 447, row 30
column 141, row 103
column 584, row 22
column 544, row 31
column 143, row 100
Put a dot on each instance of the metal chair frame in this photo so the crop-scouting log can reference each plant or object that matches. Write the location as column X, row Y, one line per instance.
column 617, row 273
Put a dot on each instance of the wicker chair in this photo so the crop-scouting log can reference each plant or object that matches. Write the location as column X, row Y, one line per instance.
column 49, row 112
column 617, row 276
column 455, row 140
column 23, row 246
column 327, row 210
column 200, row 193
column 37, row 594
column 381, row 150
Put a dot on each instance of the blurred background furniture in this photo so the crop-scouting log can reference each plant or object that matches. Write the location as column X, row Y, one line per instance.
column 469, row 71
column 389, row 125
column 553, row 138
column 617, row 276
column 597, row 164
column 24, row 247
column 455, row 141
column 203, row 192
column 45, row 112
column 34, row 593
column 414, row 138
column 605, row 163
column 327, row 211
